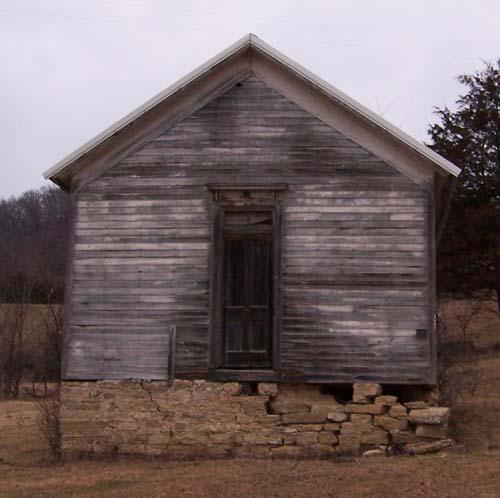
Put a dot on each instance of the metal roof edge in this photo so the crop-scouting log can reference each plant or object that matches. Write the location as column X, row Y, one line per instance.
column 355, row 106
column 57, row 168
column 251, row 40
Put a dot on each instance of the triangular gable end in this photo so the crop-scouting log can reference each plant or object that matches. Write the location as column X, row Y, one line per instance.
column 250, row 55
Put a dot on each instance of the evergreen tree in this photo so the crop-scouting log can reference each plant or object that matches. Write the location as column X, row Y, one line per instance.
column 469, row 255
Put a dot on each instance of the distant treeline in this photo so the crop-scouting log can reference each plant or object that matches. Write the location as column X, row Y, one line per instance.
column 33, row 243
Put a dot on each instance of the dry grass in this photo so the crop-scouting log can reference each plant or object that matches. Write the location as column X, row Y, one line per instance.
column 476, row 412
column 440, row 476
column 483, row 331
column 20, row 439
column 476, row 416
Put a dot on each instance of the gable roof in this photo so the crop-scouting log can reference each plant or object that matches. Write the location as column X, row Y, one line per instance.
column 244, row 52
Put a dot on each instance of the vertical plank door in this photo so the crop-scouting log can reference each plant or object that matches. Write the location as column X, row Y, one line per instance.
column 247, row 298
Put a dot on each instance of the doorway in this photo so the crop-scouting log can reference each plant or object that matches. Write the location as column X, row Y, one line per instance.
column 247, row 289
column 245, row 280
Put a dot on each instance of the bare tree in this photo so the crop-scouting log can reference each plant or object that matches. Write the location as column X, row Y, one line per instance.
column 15, row 334
column 47, row 368
column 49, row 423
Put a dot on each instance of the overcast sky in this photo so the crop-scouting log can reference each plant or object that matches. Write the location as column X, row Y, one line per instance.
column 69, row 69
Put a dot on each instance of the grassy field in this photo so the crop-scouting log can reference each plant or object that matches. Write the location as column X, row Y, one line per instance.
column 437, row 476
column 20, row 439
column 472, row 469
column 475, row 376
column 477, row 322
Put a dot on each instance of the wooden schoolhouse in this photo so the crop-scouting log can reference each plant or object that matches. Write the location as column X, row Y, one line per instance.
column 253, row 223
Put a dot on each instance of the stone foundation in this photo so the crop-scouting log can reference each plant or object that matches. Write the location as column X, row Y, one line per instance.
column 192, row 419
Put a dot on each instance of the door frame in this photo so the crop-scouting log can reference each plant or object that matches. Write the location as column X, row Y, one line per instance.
column 242, row 197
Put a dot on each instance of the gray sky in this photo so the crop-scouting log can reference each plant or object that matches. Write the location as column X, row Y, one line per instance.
column 69, row 69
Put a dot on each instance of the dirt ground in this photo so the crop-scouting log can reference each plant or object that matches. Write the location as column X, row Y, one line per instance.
column 471, row 469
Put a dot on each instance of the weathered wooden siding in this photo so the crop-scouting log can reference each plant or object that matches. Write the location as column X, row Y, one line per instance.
column 356, row 272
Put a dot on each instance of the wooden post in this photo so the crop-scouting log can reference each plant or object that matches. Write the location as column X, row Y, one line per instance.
column 171, row 354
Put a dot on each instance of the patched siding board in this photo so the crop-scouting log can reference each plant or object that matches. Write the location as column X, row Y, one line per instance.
column 355, row 248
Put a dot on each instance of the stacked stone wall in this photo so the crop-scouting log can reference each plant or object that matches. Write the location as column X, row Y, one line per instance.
column 191, row 419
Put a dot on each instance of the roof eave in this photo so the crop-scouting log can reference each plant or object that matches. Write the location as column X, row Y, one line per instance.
column 251, row 40
column 356, row 107
column 115, row 128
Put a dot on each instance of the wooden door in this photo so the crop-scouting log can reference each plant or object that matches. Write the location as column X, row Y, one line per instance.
column 247, row 292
